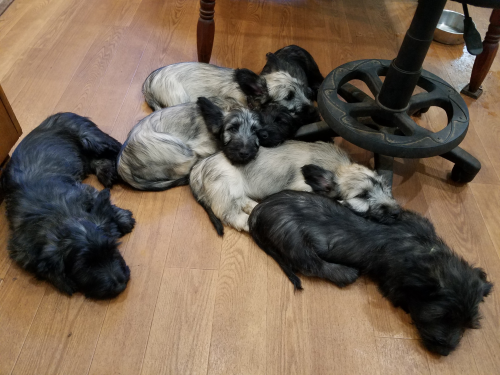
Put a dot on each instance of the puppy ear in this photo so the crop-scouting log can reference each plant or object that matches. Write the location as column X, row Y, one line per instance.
column 487, row 286
column 251, row 84
column 102, row 204
column 273, row 64
column 320, row 180
column 213, row 116
column 51, row 268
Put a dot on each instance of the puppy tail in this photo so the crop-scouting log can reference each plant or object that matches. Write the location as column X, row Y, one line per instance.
column 147, row 92
column 292, row 277
column 277, row 257
column 159, row 185
column 213, row 218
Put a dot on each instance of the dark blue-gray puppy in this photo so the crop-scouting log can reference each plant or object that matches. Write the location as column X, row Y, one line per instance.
column 64, row 231
column 413, row 267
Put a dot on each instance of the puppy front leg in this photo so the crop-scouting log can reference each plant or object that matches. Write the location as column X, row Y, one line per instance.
column 124, row 220
column 248, row 206
column 105, row 170
column 240, row 222
column 300, row 185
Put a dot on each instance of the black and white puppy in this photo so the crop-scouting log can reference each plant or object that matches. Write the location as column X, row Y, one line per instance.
column 186, row 82
column 229, row 192
column 299, row 64
column 64, row 231
column 413, row 267
column 162, row 148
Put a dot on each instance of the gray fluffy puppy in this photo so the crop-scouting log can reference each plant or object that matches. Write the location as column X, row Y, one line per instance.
column 230, row 192
column 185, row 82
column 161, row 149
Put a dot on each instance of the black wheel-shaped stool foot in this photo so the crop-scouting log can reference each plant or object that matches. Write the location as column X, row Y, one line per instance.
column 354, row 115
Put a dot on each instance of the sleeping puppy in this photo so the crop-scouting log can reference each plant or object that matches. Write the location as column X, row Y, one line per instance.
column 64, row 231
column 186, row 82
column 299, row 64
column 413, row 267
column 162, row 148
column 229, row 192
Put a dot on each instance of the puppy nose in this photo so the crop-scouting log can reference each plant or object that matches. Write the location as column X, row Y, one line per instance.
column 395, row 212
column 244, row 154
column 392, row 212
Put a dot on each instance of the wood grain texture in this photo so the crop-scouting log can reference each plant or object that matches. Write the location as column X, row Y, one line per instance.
column 21, row 296
column 399, row 354
column 238, row 344
column 202, row 248
column 180, row 344
column 197, row 303
column 63, row 335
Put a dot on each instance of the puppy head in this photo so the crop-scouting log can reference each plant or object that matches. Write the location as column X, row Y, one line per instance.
column 444, row 301
column 278, row 125
column 239, row 137
column 356, row 187
column 289, row 91
column 93, row 262
column 253, row 86
column 237, row 130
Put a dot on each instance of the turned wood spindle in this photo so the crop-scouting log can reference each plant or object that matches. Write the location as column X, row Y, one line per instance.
column 484, row 61
column 206, row 30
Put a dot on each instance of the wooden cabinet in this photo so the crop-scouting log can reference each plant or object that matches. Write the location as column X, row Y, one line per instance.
column 10, row 131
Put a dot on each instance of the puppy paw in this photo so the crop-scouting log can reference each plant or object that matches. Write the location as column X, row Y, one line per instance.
column 248, row 208
column 124, row 220
column 338, row 274
column 105, row 170
column 346, row 276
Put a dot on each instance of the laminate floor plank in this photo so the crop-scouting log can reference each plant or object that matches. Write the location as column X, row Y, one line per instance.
column 238, row 342
column 182, row 326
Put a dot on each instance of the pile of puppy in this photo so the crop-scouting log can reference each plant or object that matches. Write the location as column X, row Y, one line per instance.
column 227, row 133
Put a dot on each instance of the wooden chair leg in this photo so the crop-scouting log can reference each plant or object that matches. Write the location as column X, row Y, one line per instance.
column 206, row 30
column 483, row 62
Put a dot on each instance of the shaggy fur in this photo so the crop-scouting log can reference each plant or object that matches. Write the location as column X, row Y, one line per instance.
column 62, row 230
column 279, row 126
column 412, row 266
column 185, row 82
column 230, row 192
column 162, row 148
column 299, row 64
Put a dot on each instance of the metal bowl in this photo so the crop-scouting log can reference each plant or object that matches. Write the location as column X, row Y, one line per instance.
column 450, row 28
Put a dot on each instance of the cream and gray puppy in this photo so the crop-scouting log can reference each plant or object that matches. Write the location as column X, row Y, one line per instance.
column 185, row 82
column 230, row 192
column 161, row 149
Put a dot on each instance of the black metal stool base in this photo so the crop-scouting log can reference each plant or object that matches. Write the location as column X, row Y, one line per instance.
column 365, row 122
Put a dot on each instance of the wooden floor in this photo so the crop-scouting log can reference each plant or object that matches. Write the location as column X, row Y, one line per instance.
column 197, row 304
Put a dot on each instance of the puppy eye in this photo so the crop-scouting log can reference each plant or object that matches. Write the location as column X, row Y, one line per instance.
column 233, row 129
column 253, row 128
column 363, row 195
column 290, row 95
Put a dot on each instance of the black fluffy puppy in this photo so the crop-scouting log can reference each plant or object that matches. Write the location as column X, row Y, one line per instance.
column 412, row 266
column 299, row 64
column 62, row 230
column 279, row 125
